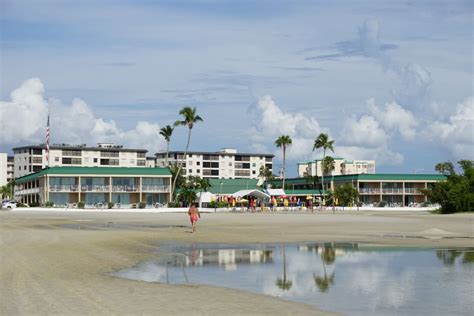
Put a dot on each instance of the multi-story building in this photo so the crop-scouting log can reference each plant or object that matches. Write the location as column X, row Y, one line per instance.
column 224, row 164
column 6, row 169
column 30, row 159
column 95, row 186
column 373, row 189
column 341, row 167
column 10, row 168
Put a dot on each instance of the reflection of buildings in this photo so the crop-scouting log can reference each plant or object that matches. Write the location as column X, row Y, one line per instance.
column 339, row 248
column 229, row 258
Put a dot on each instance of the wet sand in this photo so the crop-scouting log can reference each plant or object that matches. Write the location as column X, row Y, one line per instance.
column 58, row 262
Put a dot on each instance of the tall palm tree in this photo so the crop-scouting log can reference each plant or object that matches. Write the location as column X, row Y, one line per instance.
column 190, row 118
column 328, row 256
column 282, row 142
column 265, row 173
column 283, row 283
column 323, row 142
column 329, row 165
column 166, row 132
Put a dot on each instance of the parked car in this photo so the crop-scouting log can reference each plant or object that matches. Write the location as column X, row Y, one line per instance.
column 9, row 204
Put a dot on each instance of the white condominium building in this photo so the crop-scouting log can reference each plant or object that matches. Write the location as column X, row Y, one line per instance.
column 6, row 168
column 341, row 167
column 224, row 164
column 30, row 159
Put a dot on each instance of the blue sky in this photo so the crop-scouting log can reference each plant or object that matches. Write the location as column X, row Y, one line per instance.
column 388, row 80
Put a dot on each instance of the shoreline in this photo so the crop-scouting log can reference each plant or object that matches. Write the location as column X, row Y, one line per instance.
column 50, row 266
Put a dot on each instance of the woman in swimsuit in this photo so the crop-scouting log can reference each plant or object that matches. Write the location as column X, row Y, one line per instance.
column 194, row 215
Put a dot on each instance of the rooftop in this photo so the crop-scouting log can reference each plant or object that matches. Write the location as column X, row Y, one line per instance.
column 99, row 147
column 217, row 153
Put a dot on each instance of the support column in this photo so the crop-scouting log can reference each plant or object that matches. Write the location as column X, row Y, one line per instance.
column 381, row 190
column 79, row 189
column 403, row 194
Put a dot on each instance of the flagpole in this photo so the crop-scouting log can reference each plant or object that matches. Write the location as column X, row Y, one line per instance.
column 47, row 140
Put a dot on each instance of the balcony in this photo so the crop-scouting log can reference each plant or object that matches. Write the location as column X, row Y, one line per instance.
column 392, row 191
column 413, row 190
column 155, row 188
column 95, row 188
column 125, row 188
column 63, row 188
column 369, row 191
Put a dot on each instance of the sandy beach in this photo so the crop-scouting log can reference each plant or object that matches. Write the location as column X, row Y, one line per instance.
column 57, row 262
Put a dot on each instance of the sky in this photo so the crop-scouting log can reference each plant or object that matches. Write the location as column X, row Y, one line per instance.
column 390, row 81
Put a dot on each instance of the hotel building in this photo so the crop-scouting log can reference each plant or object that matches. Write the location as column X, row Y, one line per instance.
column 95, row 186
column 6, row 169
column 341, row 167
column 224, row 164
column 30, row 159
column 394, row 189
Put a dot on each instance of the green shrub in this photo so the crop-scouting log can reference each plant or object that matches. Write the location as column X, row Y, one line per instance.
column 49, row 204
column 34, row 204
column 173, row 204
column 141, row 204
column 382, row 204
column 19, row 204
column 110, row 205
column 81, row 204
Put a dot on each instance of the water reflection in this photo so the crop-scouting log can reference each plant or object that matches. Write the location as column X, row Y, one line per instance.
column 371, row 281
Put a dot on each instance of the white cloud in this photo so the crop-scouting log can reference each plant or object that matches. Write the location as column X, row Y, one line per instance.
column 364, row 132
column 457, row 133
column 381, row 154
column 395, row 118
column 25, row 115
column 270, row 122
column 24, row 120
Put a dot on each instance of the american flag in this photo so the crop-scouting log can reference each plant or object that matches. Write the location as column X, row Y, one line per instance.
column 46, row 135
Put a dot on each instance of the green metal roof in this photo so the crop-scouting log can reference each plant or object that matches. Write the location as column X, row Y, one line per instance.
column 96, row 171
column 230, row 186
column 368, row 177
column 303, row 192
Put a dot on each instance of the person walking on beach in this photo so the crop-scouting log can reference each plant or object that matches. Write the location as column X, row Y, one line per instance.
column 194, row 215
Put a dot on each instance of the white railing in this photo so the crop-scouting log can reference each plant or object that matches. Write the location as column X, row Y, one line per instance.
column 413, row 190
column 155, row 188
column 95, row 188
column 392, row 191
column 27, row 191
column 369, row 191
column 124, row 188
column 62, row 188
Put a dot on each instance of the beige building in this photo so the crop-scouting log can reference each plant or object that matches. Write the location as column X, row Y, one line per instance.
column 224, row 164
column 6, row 168
column 30, row 159
column 341, row 167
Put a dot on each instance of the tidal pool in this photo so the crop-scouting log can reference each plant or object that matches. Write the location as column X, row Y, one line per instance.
column 348, row 278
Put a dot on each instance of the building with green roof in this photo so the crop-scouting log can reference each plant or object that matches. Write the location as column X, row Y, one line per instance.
column 394, row 189
column 95, row 186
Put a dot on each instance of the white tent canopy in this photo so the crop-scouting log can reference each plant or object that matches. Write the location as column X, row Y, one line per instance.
column 206, row 197
column 276, row 192
column 256, row 193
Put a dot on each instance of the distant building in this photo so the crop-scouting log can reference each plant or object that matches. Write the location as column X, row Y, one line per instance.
column 341, row 167
column 30, row 159
column 6, row 169
column 95, row 186
column 224, row 164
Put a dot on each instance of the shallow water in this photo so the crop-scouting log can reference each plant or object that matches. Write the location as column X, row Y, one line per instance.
column 348, row 278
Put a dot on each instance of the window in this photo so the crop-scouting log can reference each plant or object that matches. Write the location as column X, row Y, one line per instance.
column 198, row 171
column 190, row 163
column 141, row 163
column 268, row 159
column 140, row 155
column 37, row 151
column 190, row 155
column 190, row 170
column 230, row 164
column 95, row 160
column 198, row 163
column 37, row 159
column 66, row 161
column 76, row 161
column 246, row 166
column 253, row 171
column 254, row 164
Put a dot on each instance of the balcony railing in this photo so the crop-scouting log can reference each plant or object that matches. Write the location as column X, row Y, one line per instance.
column 155, row 188
column 392, row 191
column 63, row 188
column 124, row 188
column 95, row 188
column 369, row 191
column 413, row 191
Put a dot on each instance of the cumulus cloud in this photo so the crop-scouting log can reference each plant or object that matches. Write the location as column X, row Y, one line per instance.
column 365, row 132
column 457, row 133
column 395, row 118
column 270, row 122
column 24, row 120
column 23, row 117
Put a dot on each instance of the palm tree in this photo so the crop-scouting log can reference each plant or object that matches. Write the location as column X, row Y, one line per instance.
column 203, row 185
column 328, row 256
column 190, row 118
column 265, row 173
column 283, row 283
column 283, row 141
column 323, row 142
column 166, row 132
column 329, row 165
